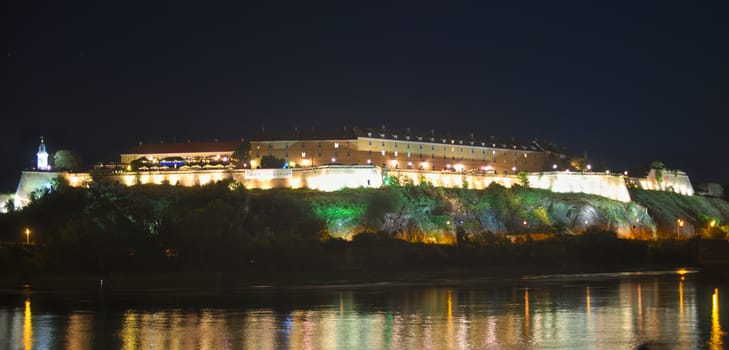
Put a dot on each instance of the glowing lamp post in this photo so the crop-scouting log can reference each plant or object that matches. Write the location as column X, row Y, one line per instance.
column 679, row 224
column 712, row 223
column 27, row 236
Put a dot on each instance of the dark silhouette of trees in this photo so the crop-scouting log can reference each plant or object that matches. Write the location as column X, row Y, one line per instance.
column 268, row 162
column 242, row 153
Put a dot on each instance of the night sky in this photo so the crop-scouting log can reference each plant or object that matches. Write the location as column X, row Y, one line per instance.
column 628, row 83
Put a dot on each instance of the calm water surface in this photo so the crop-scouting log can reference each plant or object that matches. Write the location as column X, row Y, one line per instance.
column 601, row 311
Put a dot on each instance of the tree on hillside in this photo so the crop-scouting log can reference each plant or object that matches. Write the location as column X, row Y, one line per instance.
column 659, row 167
column 523, row 178
column 656, row 164
column 66, row 160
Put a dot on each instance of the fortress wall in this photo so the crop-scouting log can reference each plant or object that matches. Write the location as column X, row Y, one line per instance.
column 673, row 181
column 179, row 177
column 452, row 179
column 31, row 181
column 610, row 186
column 325, row 178
column 334, row 177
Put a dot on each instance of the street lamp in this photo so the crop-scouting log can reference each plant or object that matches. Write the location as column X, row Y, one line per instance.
column 679, row 224
column 712, row 223
column 27, row 235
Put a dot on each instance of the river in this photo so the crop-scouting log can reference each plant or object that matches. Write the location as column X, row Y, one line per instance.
column 664, row 309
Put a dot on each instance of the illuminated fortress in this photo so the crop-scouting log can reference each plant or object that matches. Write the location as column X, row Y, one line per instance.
column 329, row 160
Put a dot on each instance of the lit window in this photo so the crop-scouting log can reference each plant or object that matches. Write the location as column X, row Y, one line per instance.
column 336, row 145
column 383, row 152
column 408, row 154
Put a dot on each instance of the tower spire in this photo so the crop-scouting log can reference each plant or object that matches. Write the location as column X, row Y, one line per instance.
column 42, row 157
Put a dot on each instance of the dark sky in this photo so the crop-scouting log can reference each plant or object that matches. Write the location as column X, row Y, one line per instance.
column 627, row 82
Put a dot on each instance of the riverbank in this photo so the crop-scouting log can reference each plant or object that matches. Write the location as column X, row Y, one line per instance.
column 386, row 260
column 199, row 280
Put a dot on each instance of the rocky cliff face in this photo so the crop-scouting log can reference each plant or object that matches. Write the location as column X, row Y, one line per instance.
column 437, row 215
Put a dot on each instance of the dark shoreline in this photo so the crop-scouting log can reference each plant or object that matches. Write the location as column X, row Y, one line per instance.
column 212, row 281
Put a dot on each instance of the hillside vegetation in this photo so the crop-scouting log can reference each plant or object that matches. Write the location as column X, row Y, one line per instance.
column 225, row 227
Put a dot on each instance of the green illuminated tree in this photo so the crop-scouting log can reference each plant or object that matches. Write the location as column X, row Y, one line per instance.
column 523, row 178
column 659, row 167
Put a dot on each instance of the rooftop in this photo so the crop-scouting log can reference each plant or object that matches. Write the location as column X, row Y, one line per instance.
column 186, row 147
column 431, row 136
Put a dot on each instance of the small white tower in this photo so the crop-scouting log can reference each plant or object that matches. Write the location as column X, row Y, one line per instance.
column 42, row 157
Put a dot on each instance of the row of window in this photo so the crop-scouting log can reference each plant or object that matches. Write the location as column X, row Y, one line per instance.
column 409, row 155
column 303, row 145
column 420, row 146
column 452, row 141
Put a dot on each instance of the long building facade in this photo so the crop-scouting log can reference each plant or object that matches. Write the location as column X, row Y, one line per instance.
column 388, row 149
column 402, row 150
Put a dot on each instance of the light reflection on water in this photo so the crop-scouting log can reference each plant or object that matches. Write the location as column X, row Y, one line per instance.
column 605, row 313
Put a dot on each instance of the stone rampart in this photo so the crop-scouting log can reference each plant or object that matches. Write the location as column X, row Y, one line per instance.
column 451, row 179
column 334, row 177
column 32, row 181
column 606, row 185
column 670, row 180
